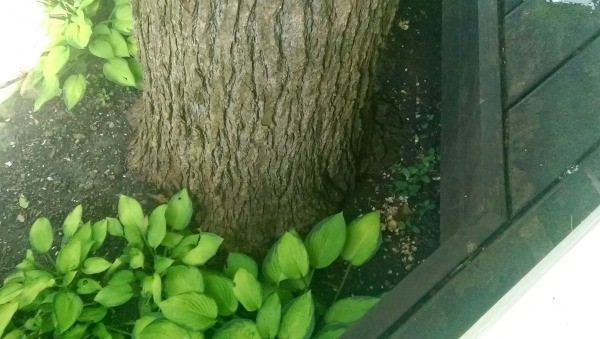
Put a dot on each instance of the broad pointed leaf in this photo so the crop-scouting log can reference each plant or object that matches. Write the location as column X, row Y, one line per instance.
column 207, row 248
column 236, row 261
column 77, row 34
column 87, row 286
column 68, row 257
column 117, row 70
column 101, row 48
column 157, row 228
column 118, row 44
column 9, row 292
column 114, row 295
column 247, row 290
column 73, row 89
column 269, row 317
column 238, row 329
column 41, row 235
column 298, row 318
column 6, row 313
column 363, row 239
column 95, row 265
column 326, row 241
column 192, row 310
column 50, row 90
column 67, row 307
column 72, row 222
column 347, row 311
column 179, row 210
column 292, row 256
column 220, row 289
column 183, row 279
column 55, row 60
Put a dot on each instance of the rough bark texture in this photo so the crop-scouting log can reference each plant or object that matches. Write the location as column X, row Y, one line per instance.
column 258, row 107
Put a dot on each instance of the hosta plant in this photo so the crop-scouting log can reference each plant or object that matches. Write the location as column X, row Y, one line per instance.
column 81, row 32
column 162, row 285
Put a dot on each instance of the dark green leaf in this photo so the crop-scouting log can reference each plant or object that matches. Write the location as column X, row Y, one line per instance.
column 92, row 314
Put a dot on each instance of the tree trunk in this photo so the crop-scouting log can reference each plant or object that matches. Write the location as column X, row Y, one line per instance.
column 257, row 107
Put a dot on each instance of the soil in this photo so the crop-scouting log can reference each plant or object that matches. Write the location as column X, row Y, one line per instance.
column 52, row 160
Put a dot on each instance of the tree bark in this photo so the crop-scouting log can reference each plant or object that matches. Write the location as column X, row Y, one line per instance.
column 257, row 107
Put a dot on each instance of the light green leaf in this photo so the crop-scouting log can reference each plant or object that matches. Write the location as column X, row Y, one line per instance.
column 192, row 310
column 81, row 4
column 347, row 311
column 14, row 334
column 9, row 292
column 6, row 313
column 87, row 286
column 67, row 307
column 99, row 233
column 136, row 70
column 131, row 213
column 238, row 329
column 117, row 70
column 157, row 228
column 118, row 44
column 236, row 261
column 41, row 235
column 73, row 89
column 271, row 267
column 207, row 248
column 92, row 9
column 77, row 34
column 183, row 279
column 72, row 222
column 185, row 245
column 172, row 239
column 162, row 263
column 101, row 29
column 95, row 265
column 114, row 227
column 114, row 295
column 68, row 279
column 123, row 19
column 101, row 332
column 122, row 277
column 269, row 317
column 326, row 241
column 34, row 287
column 162, row 329
column 132, row 46
column 92, row 314
column 221, row 290
column 298, row 319
column 136, row 258
column 55, row 60
column 50, row 90
column 76, row 332
column 101, row 48
column 179, row 210
column 247, row 290
column 363, row 239
column 33, row 78
column 292, row 256
column 333, row 331
column 68, row 257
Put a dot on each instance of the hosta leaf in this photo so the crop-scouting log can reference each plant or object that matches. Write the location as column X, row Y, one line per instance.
column 292, row 256
column 347, row 311
column 75, row 332
column 136, row 70
column 99, row 233
column 269, row 317
column 6, row 313
column 192, row 310
column 271, row 267
column 162, row 263
column 157, row 228
column 32, row 288
column 101, row 48
column 162, row 329
column 95, row 265
column 136, row 258
column 236, row 261
column 124, row 19
column 87, row 286
column 50, row 90
column 114, row 227
column 238, row 329
column 41, row 235
column 9, row 292
column 363, row 239
column 101, row 332
column 171, row 240
column 130, row 213
column 132, row 45
column 101, row 29
column 72, row 222
column 118, row 44
column 326, row 241
column 334, row 331
column 73, row 89
column 298, row 318
column 68, row 278
column 179, row 210
column 67, row 307
column 14, row 334
column 186, row 244
column 92, row 314
column 77, row 34
column 183, row 279
column 247, row 290
column 114, row 295
column 68, row 257
column 117, row 70
column 207, row 248
column 55, row 60
column 220, row 289
column 122, row 277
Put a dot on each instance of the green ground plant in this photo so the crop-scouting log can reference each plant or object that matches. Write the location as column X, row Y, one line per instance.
column 161, row 287
column 82, row 32
column 413, row 180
